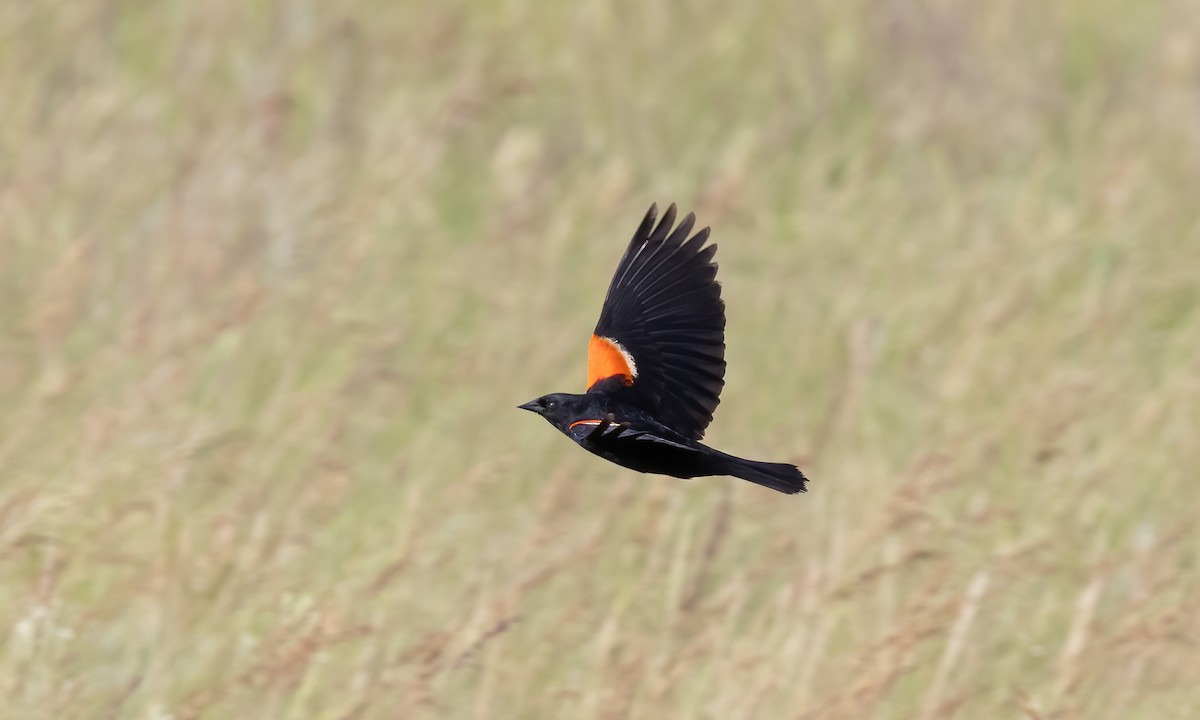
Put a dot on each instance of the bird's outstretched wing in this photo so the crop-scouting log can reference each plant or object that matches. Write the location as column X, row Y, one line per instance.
column 660, row 342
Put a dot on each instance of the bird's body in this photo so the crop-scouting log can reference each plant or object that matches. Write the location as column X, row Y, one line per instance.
column 656, row 365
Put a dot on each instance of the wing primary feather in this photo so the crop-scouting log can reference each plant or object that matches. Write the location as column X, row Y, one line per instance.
column 658, row 291
column 697, row 241
column 647, row 222
column 649, row 271
column 647, row 267
column 703, row 263
column 685, row 227
column 648, row 277
column 636, row 245
column 629, row 262
column 664, row 226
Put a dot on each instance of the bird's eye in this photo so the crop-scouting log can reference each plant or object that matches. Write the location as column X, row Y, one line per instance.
column 550, row 404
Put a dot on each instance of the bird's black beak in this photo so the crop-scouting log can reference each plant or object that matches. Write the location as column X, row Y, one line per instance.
column 531, row 406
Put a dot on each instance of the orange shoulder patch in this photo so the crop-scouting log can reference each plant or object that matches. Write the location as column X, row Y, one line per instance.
column 606, row 358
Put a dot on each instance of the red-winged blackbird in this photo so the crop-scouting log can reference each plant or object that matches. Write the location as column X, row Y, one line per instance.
column 656, row 364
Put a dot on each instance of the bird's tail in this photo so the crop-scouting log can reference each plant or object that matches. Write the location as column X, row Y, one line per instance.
column 778, row 476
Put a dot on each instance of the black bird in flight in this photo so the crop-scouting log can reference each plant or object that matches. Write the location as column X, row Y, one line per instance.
column 656, row 364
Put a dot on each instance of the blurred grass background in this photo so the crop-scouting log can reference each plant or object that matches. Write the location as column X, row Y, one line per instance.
column 274, row 275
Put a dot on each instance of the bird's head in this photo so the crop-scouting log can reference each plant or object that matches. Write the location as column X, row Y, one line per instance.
column 555, row 407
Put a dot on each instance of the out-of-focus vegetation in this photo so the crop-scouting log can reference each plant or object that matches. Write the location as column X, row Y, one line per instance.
column 274, row 275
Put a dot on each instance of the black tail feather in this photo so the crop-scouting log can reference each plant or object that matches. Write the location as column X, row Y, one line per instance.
column 778, row 476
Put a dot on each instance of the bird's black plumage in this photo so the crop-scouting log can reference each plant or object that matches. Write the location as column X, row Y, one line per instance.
column 664, row 307
column 656, row 364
